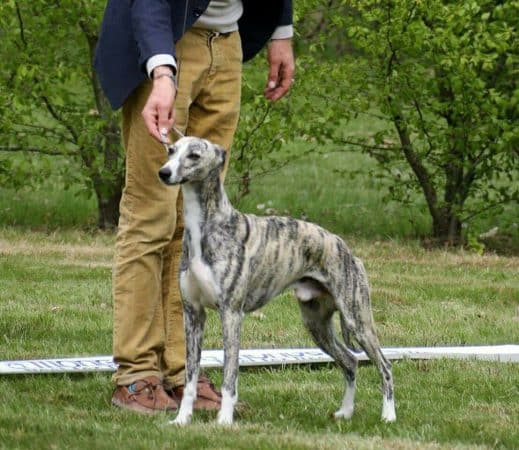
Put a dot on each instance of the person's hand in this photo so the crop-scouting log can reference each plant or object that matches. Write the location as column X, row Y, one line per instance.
column 281, row 73
column 159, row 110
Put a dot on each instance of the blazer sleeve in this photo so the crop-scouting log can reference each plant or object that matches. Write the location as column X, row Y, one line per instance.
column 152, row 28
column 286, row 13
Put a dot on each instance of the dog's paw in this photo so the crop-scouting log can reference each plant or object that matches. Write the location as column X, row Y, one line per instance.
column 181, row 420
column 224, row 420
column 389, row 417
column 388, row 411
column 343, row 414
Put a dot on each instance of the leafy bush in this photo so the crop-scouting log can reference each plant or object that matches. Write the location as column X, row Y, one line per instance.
column 441, row 77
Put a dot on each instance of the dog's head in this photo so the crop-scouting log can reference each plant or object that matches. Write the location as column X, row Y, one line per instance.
column 191, row 159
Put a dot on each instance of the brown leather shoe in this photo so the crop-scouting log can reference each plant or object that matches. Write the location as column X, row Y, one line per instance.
column 207, row 397
column 144, row 396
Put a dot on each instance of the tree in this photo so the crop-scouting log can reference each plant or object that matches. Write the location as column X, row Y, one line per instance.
column 441, row 77
column 52, row 104
column 51, row 101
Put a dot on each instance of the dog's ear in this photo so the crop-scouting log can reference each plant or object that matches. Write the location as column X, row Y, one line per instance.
column 222, row 154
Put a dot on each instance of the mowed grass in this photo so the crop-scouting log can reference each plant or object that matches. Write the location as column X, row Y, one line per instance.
column 47, row 207
column 55, row 300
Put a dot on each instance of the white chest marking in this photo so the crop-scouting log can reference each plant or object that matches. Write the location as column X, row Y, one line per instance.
column 200, row 270
column 205, row 279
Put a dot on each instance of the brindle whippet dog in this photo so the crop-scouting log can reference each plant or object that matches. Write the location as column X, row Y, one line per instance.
column 236, row 263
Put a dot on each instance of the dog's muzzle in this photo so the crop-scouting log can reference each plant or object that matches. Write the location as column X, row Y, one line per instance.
column 165, row 174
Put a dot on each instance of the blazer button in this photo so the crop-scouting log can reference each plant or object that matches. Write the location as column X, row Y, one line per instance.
column 197, row 12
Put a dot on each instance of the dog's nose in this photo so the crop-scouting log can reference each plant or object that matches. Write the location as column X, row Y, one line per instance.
column 164, row 173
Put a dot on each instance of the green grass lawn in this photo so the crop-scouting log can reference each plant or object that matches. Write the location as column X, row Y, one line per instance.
column 55, row 300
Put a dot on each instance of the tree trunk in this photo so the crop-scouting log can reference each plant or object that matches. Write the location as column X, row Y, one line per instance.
column 109, row 182
column 447, row 224
column 108, row 208
column 108, row 189
column 447, row 228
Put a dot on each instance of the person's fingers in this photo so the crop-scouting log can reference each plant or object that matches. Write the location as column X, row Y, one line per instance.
column 159, row 112
column 164, row 120
column 281, row 69
column 151, row 122
column 282, row 88
column 165, row 129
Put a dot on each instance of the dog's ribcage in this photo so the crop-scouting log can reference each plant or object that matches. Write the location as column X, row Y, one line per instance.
column 278, row 252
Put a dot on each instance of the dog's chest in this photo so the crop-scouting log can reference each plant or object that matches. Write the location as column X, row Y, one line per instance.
column 204, row 278
column 202, row 273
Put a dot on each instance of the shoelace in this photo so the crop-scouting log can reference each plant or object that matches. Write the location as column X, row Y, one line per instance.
column 148, row 385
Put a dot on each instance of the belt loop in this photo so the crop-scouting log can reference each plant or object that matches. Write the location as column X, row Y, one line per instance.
column 212, row 35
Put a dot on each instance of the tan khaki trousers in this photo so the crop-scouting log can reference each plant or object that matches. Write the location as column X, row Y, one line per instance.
column 148, row 336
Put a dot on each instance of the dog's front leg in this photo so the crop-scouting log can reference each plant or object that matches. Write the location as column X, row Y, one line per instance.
column 194, row 319
column 231, row 328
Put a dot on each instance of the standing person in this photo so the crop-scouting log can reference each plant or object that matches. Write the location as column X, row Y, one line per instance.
column 144, row 47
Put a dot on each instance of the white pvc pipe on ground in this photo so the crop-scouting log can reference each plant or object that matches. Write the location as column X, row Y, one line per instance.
column 267, row 357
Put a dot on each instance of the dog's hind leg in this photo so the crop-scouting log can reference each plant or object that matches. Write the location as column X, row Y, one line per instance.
column 370, row 345
column 366, row 336
column 231, row 328
column 194, row 320
column 347, row 334
column 317, row 316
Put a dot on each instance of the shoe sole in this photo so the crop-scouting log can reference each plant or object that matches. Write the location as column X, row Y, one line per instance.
column 135, row 407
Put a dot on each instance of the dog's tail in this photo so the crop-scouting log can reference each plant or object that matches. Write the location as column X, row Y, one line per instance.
column 362, row 292
column 360, row 302
column 362, row 280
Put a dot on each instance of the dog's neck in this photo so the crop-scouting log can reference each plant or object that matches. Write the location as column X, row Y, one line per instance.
column 205, row 199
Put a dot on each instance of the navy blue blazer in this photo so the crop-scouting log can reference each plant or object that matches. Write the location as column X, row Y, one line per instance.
column 134, row 30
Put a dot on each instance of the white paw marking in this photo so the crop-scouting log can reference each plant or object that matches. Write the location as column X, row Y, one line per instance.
column 388, row 410
column 343, row 413
column 226, row 413
column 224, row 419
column 348, row 401
column 181, row 420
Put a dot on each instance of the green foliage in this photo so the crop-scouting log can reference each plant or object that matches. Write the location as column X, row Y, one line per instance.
column 474, row 244
column 51, row 103
column 438, row 80
column 265, row 129
column 433, row 83
column 441, row 77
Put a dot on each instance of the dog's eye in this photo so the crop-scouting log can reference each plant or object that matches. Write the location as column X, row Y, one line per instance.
column 194, row 155
column 171, row 149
